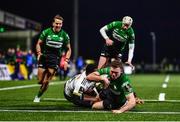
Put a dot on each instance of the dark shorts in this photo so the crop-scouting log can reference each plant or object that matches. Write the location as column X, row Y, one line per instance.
column 111, row 52
column 48, row 61
column 111, row 100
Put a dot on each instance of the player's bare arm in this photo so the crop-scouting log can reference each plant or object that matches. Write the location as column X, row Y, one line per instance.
column 68, row 54
column 38, row 48
column 95, row 76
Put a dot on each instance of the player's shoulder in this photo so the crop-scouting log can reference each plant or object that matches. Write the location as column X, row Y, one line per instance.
column 63, row 31
column 83, row 74
column 105, row 70
column 125, row 77
column 80, row 76
column 131, row 30
column 47, row 30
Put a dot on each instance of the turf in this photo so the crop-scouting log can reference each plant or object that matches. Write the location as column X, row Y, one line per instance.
column 17, row 104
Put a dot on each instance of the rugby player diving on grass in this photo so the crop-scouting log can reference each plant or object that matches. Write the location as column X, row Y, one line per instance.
column 118, row 96
column 81, row 91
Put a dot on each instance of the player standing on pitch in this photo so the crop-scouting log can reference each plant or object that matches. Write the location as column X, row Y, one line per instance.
column 117, row 34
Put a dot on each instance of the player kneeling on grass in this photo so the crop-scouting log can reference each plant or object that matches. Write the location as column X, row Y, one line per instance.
column 119, row 96
column 80, row 90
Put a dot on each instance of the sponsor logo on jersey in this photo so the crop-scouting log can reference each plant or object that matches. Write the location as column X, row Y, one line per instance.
column 118, row 37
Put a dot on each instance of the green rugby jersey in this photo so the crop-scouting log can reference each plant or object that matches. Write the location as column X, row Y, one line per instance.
column 119, row 35
column 121, row 86
column 54, row 42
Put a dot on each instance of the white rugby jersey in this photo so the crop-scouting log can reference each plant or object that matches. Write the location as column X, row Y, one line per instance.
column 78, row 85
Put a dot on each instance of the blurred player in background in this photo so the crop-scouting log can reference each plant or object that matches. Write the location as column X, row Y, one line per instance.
column 117, row 35
column 50, row 45
column 80, row 90
column 119, row 96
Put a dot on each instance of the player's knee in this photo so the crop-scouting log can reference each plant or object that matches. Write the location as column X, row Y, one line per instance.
column 50, row 73
column 45, row 83
column 44, row 86
column 40, row 74
column 94, row 106
column 97, row 105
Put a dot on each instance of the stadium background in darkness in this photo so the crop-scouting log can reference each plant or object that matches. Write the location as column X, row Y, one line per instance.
column 160, row 16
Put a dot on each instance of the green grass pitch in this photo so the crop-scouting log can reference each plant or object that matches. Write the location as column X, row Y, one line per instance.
column 16, row 102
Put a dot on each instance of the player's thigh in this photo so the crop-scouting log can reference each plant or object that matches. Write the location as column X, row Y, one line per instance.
column 40, row 73
column 102, row 61
column 108, row 98
column 52, row 71
column 48, row 74
column 98, row 105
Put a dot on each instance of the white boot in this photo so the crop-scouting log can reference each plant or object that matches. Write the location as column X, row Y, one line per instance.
column 37, row 99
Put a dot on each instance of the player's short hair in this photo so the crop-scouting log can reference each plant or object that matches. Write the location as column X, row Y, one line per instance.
column 117, row 64
column 90, row 68
column 58, row 17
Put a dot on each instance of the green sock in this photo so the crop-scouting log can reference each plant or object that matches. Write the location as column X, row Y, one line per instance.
column 40, row 93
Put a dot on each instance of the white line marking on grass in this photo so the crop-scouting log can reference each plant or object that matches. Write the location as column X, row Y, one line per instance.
column 167, row 79
column 164, row 85
column 145, row 100
column 27, row 86
column 90, row 111
column 54, row 99
column 18, row 87
column 161, row 96
column 173, row 101
column 152, row 112
column 53, row 111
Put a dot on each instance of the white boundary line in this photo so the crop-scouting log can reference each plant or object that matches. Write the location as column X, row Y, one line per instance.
column 54, row 99
column 162, row 97
column 146, row 100
column 167, row 79
column 164, row 85
column 27, row 86
column 70, row 111
column 161, row 101
column 18, row 87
